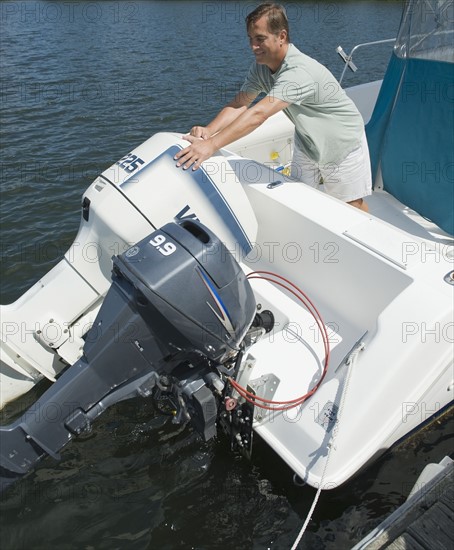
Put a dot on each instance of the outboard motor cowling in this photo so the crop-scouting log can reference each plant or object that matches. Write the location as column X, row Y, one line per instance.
column 189, row 289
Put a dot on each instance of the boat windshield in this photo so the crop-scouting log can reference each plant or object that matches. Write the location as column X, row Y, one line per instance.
column 426, row 31
column 410, row 133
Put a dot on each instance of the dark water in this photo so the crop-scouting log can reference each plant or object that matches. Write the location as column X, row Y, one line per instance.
column 82, row 84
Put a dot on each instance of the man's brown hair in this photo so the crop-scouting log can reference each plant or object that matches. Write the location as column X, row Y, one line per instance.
column 276, row 18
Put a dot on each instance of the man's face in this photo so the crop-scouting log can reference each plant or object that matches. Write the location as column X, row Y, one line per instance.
column 265, row 46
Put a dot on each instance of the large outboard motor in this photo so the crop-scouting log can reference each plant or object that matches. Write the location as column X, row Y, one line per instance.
column 178, row 308
column 44, row 330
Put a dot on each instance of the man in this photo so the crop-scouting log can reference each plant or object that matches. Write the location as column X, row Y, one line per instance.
column 330, row 142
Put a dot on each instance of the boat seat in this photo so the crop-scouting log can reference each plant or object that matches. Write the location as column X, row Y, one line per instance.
column 411, row 138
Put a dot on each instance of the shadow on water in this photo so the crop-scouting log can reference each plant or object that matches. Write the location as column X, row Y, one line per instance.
column 139, row 481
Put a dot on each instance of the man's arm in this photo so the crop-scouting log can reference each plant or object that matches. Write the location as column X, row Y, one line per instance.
column 239, row 126
column 226, row 116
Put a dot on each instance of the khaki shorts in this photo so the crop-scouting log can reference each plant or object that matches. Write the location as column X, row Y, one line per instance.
column 348, row 181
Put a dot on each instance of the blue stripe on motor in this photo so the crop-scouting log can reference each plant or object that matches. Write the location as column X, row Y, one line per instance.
column 223, row 310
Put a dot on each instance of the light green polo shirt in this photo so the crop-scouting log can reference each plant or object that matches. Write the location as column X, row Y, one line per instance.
column 328, row 125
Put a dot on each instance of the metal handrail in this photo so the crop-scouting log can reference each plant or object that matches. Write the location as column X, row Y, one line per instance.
column 348, row 58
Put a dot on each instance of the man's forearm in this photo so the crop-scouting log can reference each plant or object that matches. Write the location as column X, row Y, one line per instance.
column 225, row 118
column 243, row 122
column 239, row 126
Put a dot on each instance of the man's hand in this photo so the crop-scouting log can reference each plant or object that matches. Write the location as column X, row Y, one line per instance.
column 238, row 122
column 199, row 150
column 200, row 131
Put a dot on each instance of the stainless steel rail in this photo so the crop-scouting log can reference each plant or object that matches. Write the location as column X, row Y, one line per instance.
column 348, row 58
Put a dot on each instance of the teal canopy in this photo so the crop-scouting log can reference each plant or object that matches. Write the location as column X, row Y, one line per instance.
column 411, row 131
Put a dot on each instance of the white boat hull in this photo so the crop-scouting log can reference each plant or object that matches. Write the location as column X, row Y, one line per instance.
column 382, row 289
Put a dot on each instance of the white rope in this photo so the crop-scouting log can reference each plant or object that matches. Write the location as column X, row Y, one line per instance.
column 350, row 361
column 311, row 511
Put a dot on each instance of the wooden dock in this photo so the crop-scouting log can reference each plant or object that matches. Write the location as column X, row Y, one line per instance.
column 425, row 521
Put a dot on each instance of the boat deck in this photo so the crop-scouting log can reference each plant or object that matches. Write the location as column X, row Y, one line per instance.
column 389, row 209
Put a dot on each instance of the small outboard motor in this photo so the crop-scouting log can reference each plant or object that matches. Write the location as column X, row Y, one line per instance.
column 178, row 308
